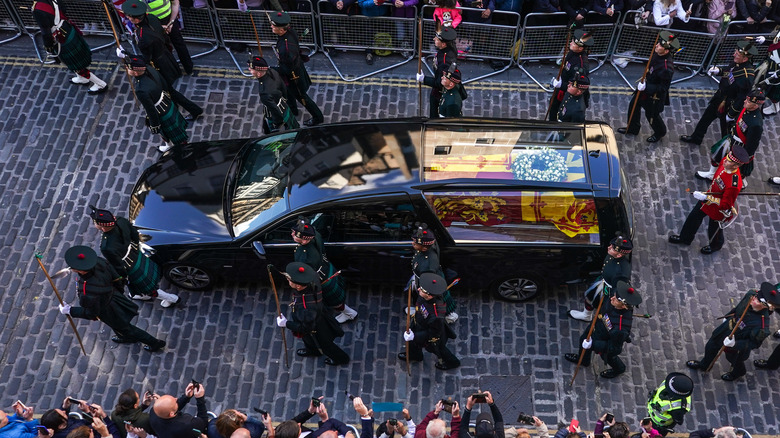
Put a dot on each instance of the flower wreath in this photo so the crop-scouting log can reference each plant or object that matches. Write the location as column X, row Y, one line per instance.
column 543, row 164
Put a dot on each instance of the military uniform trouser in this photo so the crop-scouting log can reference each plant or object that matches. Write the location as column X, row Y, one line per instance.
column 692, row 224
column 445, row 356
column 652, row 113
column 555, row 105
column 296, row 96
column 182, row 101
column 315, row 342
column 773, row 362
column 613, row 361
column 131, row 333
column 433, row 108
column 709, row 115
column 177, row 40
column 736, row 357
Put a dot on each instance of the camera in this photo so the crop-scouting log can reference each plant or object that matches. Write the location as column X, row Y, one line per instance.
column 315, row 402
column 525, row 419
column 447, row 405
column 393, row 422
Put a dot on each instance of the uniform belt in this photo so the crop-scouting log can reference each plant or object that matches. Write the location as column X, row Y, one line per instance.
column 126, row 259
column 163, row 104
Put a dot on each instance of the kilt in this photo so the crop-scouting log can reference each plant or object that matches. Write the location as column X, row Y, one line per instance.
column 174, row 127
column 74, row 52
column 143, row 276
column 334, row 292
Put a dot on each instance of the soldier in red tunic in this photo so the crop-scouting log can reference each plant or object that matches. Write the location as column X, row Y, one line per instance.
column 718, row 203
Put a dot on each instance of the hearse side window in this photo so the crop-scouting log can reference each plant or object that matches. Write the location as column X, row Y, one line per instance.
column 387, row 222
column 283, row 233
column 555, row 217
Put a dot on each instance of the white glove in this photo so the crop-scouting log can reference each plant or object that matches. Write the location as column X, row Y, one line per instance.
column 700, row 195
column 729, row 119
column 641, row 86
column 120, row 53
column 760, row 40
column 587, row 343
column 420, row 77
column 242, row 5
column 729, row 342
column 281, row 321
column 556, row 83
column 712, row 71
column 64, row 309
column 408, row 335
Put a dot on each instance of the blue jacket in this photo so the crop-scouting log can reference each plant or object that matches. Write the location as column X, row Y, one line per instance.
column 509, row 5
column 17, row 427
column 371, row 10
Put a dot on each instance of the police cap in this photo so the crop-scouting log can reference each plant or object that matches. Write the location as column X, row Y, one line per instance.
column 679, row 384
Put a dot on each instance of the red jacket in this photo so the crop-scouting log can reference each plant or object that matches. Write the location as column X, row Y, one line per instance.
column 724, row 190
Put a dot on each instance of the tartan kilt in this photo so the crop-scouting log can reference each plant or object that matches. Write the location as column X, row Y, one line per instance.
column 334, row 292
column 174, row 127
column 449, row 300
column 74, row 52
column 144, row 276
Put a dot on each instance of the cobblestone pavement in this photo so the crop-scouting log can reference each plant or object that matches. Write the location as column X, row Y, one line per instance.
column 62, row 149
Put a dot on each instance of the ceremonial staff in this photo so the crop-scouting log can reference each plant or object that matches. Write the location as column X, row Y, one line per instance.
column 257, row 37
column 560, row 72
column 419, row 108
column 279, row 312
column 590, row 332
column 731, row 335
column 38, row 257
column 408, row 322
column 116, row 38
column 644, row 75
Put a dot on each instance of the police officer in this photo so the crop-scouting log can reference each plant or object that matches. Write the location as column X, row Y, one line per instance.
column 100, row 291
column 446, row 54
column 718, row 205
column 669, row 403
column 308, row 320
column 121, row 246
column 167, row 11
column 575, row 65
column 736, row 80
column 426, row 258
column 611, row 331
column 292, row 69
column 572, row 108
column 617, row 267
column 653, row 92
column 151, row 39
column 453, row 93
column 311, row 251
column 428, row 329
column 273, row 94
column 64, row 42
column 750, row 333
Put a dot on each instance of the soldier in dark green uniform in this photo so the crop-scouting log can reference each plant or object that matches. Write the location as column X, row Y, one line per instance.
column 616, row 268
column 158, row 99
column 572, row 107
column 611, row 331
column 428, row 329
column 453, row 93
column 101, row 297
column 669, row 403
column 736, row 80
column 292, row 69
column 446, row 54
column 311, row 251
column 576, row 64
column 653, row 93
column 273, row 94
column 750, row 333
column 121, row 246
column 426, row 259
column 308, row 320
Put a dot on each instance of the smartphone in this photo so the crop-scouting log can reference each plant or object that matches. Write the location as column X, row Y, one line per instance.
column 150, row 391
column 87, row 417
column 609, row 418
column 351, row 397
column 447, row 405
column 43, row 430
column 392, row 421
column 260, row 411
column 128, row 423
column 21, row 405
column 479, row 397
column 195, row 385
column 573, row 426
column 73, row 400
column 315, row 402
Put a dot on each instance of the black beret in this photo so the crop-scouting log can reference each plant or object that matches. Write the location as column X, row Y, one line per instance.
column 81, row 258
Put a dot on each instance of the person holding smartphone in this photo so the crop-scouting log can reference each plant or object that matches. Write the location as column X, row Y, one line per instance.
column 91, row 422
column 433, row 427
column 487, row 425
column 20, row 424
column 131, row 408
column 167, row 419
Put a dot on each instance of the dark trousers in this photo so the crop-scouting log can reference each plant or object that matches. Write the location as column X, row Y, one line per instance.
column 773, row 362
column 652, row 112
column 182, row 101
column 736, row 357
column 710, row 114
column 132, row 333
column 692, row 224
column 433, row 108
column 612, row 360
column 296, row 96
column 555, row 105
column 177, row 40
column 446, row 357
column 318, row 342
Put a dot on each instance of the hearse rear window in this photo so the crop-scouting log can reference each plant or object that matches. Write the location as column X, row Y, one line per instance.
column 558, row 217
column 524, row 154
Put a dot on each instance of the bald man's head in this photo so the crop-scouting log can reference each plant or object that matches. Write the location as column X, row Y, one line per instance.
column 166, row 407
column 241, row 432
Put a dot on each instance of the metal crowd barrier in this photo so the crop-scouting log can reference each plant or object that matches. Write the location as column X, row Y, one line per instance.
column 235, row 27
column 199, row 28
column 476, row 41
column 635, row 42
column 723, row 55
column 8, row 21
column 360, row 33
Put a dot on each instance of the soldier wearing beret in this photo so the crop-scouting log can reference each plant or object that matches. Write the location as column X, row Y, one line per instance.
column 121, row 246
column 669, row 403
column 292, row 69
column 311, row 251
column 736, row 80
column 773, row 362
column 611, row 331
column 63, row 40
column 572, row 108
column 453, row 93
column 308, row 319
column 101, row 297
column 426, row 258
column 575, row 65
column 653, row 92
column 750, row 334
column 428, row 329
column 446, row 54
column 273, row 94
column 159, row 99
column 152, row 40
column 617, row 267
column 718, row 204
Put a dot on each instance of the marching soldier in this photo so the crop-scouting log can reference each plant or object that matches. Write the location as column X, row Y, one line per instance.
column 121, row 246
column 308, row 320
column 151, row 40
column 773, row 362
column 101, row 297
column 63, row 40
column 669, row 403
column 572, row 107
column 428, row 329
column 453, row 94
column 575, row 65
column 750, row 334
column 616, row 268
column 159, row 100
column 718, row 205
column 611, row 331
column 653, row 93
column 273, row 94
column 446, row 54
column 310, row 250
column 747, row 131
column 292, row 69
column 426, row 259
column 736, row 80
